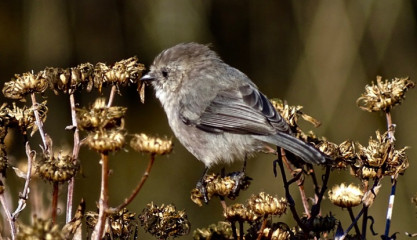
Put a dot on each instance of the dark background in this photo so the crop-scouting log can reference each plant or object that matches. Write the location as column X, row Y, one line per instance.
column 319, row 54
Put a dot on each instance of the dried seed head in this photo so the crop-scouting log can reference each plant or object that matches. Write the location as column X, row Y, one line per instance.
column 277, row 234
column 221, row 230
column 292, row 113
column 122, row 224
column 100, row 116
column 397, row 162
column 383, row 96
column 368, row 173
column 345, row 196
column 106, row 141
column 164, row 221
column 24, row 118
column 329, row 148
column 377, row 151
column 238, row 212
column 347, row 150
column 59, row 169
column 24, row 84
column 153, row 145
column 41, row 229
column 321, row 224
column 264, row 204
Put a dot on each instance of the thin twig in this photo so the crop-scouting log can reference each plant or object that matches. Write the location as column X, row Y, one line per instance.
column 103, row 202
column 288, row 196
column 139, row 186
column 315, row 209
column 261, row 231
column 54, row 201
column 355, row 224
column 39, row 123
column 9, row 217
column 234, row 231
column 75, row 153
column 25, row 194
column 112, row 94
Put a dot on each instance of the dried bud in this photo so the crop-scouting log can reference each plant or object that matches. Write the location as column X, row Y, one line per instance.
column 397, row 162
column 24, row 118
column 383, row 96
column 321, row 224
column 106, row 141
column 345, row 196
column 347, row 150
column 238, row 212
column 41, row 229
column 221, row 230
column 24, row 84
column 164, row 221
column 264, row 204
column 368, row 173
column 59, row 169
column 153, row 145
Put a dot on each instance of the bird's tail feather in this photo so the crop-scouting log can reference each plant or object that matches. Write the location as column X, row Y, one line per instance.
column 303, row 150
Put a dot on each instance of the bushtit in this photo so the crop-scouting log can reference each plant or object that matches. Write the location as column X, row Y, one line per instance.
column 215, row 110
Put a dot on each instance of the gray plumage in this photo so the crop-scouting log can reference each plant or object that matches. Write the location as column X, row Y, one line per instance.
column 215, row 110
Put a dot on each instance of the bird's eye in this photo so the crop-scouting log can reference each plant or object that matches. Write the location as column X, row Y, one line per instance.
column 165, row 73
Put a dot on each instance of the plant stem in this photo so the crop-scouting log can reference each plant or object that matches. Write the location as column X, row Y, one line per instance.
column 355, row 224
column 75, row 153
column 9, row 217
column 39, row 123
column 111, row 97
column 54, row 201
column 103, row 202
column 261, row 231
column 25, row 194
column 139, row 186
column 234, row 231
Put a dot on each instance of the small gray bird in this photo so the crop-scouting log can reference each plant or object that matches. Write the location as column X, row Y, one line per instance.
column 216, row 111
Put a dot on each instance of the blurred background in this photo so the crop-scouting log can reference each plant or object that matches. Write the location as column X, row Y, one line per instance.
column 318, row 54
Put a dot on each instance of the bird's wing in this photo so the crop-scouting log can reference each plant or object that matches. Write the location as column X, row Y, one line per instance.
column 243, row 110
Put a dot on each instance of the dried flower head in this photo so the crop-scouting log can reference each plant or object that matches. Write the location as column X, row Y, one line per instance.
column 347, row 150
column 264, row 204
column 164, row 221
column 153, row 145
column 397, row 162
column 377, row 151
column 321, row 223
column 69, row 80
column 367, row 172
column 228, row 186
column 24, row 84
column 345, row 196
column 328, row 148
column 383, row 96
column 121, row 224
column 221, row 230
column 73, row 226
column 277, row 234
column 124, row 71
column 100, row 116
column 24, row 118
column 239, row 212
column 59, row 168
column 106, row 141
column 40, row 229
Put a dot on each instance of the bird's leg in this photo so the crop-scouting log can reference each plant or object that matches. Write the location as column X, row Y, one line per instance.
column 240, row 178
column 201, row 186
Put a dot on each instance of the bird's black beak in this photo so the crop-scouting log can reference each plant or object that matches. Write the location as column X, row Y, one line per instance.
column 147, row 78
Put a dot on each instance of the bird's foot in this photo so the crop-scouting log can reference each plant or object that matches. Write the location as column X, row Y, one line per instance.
column 241, row 183
column 202, row 187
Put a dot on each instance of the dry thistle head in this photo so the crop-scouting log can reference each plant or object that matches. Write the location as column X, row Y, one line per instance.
column 124, row 72
column 122, row 224
column 221, row 230
column 41, row 229
column 25, row 84
column 106, row 141
column 345, row 196
column 239, row 212
column 328, row 148
column 383, row 96
column 58, row 169
column 397, row 162
column 100, row 116
column 153, row 145
column 264, row 204
column 164, row 221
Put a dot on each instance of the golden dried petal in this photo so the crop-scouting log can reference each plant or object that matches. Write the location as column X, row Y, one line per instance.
column 345, row 196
